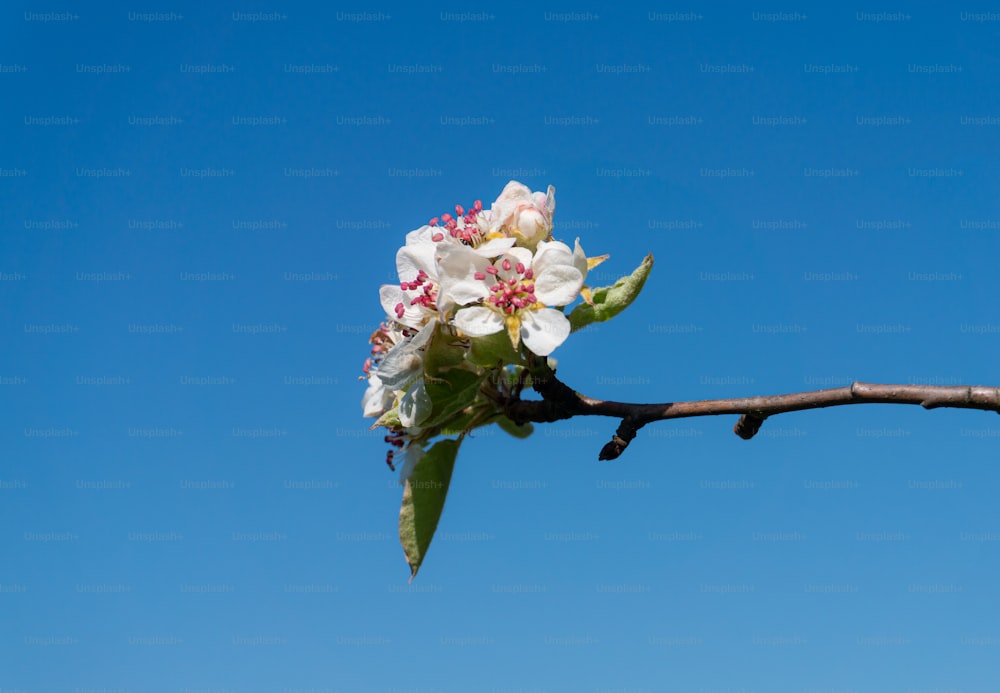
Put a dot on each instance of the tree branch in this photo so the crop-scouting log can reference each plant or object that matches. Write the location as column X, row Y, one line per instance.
column 559, row 401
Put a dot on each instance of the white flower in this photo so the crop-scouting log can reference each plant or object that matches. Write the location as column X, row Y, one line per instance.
column 413, row 301
column 525, row 215
column 514, row 292
column 417, row 299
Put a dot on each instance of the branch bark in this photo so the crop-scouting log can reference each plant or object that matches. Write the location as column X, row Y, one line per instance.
column 559, row 401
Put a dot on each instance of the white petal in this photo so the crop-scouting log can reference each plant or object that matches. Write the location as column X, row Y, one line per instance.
column 411, row 456
column 558, row 285
column 410, row 259
column 377, row 398
column 405, row 361
column 580, row 259
column 421, row 338
column 502, row 211
column 515, row 255
column 477, row 321
column 515, row 191
column 413, row 316
column 457, row 266
column 415, row 406
column 494, row 247
column 390, row 295
column 543, row 330
column 421, row 235
column 551, row 253
column 400, row 367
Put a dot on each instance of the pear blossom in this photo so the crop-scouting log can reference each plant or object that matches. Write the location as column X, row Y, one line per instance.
column 468, row 227
column 478, row 272
column 513, row 292
column 414, row 300
column 525, row 215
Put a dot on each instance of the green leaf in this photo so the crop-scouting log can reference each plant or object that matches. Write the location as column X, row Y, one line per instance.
column 450, row 394
column 460, row 424
column 451, row 382
column 609, row 301
column 522, row 431
column 424, row 494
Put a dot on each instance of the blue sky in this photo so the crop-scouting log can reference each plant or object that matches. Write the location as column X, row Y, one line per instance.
column 198, row 205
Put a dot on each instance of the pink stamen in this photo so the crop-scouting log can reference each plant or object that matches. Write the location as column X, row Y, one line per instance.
column 480, row 275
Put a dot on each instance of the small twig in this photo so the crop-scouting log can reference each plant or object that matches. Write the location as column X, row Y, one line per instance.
column 559, row 401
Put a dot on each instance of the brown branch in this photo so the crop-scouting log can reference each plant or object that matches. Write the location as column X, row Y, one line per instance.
column 559, row 401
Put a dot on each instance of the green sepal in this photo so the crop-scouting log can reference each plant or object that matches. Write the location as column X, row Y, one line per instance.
column 451, row 382
column 609, row 301
column 390, row 419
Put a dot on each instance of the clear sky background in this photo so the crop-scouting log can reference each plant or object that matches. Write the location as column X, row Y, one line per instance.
column 199, row 203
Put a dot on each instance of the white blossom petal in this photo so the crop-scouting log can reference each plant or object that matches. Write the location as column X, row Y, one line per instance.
column 494, row 247
column 543, row 330
column 413, row 316
column 558, row 285
column 516, row 255
column 411, row 259
column 404, row 363
column 478, row 321
column 415, row 406
column 411, row 456
column 400, row 367
column 457, row 267
column 421, row 235
column 378, row 398
column 551, row 253
column 580, row 259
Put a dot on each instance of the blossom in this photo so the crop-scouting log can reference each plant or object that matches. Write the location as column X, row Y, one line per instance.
column 414, row 300
column 467, row 226
column 513, row 292
column 525, row 215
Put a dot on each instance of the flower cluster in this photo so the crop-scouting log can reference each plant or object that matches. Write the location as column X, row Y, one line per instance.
column 464, row 279
column 480, row 305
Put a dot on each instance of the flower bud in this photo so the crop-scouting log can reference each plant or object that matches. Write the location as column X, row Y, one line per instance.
column 524, row 215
